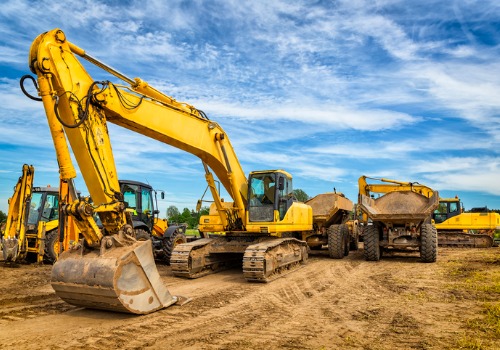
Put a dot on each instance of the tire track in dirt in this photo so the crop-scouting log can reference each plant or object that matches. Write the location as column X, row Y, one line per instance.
column 349, row 303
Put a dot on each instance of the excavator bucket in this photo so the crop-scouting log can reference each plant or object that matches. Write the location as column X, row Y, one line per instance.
column 123, row 279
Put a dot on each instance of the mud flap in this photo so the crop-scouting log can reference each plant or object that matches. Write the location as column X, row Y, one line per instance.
column 123, row 279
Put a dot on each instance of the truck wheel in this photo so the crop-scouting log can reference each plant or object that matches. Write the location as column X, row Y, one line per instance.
column 141, row 235
column 371, row 244
column 169, row 243
column 52, row 245
column 336, row 241
column 428, row 243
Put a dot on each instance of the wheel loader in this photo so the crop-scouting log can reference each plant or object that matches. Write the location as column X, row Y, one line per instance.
column 31, row 231
column 399, row 219
column 141, row 202
column 467, row 230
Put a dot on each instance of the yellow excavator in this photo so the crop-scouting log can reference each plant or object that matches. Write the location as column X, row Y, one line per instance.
column 458, row 229
column 111, row 269
column 31, row 231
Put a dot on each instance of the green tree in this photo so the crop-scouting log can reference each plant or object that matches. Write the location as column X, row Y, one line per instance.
column 3, row 216
column 300, row 195
column 204, row 211
column 172, row 212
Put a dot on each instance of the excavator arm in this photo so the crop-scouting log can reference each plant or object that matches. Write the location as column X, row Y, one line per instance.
column 109, row 269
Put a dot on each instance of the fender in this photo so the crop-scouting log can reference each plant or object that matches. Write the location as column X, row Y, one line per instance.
column 138, row 224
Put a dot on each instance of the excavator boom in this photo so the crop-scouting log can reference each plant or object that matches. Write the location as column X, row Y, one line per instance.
column 108, row 269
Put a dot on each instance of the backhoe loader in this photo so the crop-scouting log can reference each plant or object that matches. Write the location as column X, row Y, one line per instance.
column 31, row 231
column 467, row 230
column 398, row 220
column 111, row 269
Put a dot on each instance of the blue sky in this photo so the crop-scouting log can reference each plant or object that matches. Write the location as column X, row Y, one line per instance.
column 327, row 90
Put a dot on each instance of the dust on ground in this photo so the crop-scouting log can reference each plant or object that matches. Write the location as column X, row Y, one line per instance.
column 397, row 303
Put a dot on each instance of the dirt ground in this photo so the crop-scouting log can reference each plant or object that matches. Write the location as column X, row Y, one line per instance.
column 397, row 303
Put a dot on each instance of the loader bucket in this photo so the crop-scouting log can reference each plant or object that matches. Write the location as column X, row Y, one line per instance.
column 10, row 248
column 123, row 279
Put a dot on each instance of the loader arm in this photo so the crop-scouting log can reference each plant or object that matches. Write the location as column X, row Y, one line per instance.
column 14, row 236
column 77, row 100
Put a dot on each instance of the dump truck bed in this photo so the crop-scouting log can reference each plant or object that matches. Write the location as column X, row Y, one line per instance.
column 329, row 208
column 399, row 206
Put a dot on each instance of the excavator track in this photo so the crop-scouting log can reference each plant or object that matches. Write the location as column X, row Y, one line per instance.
column 194, row 259
column 268, row 260
column 464, row 240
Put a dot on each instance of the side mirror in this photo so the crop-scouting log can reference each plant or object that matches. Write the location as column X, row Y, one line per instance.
column 281, row 184
column 198, row 206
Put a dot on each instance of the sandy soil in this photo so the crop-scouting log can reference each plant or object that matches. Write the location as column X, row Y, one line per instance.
column 397, row 303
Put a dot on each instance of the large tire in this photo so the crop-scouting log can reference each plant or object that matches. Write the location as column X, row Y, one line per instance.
column 428, row 243
column 141, row 234
column 371, row 244
column 52, row 244
column 169, row 243
column 337, row 235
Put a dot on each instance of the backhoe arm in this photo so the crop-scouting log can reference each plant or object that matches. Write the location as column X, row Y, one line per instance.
column 14, row 235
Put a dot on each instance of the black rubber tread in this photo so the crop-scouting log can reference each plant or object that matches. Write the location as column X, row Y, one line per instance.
column 336, row 241
column 142, row 235
column 51, row 250
column 168, row 244
column 371, row 244
column 428, row 243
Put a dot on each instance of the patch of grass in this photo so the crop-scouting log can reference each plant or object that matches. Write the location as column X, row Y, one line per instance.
column 482, row 333
column 490, row 324
column 476, row 278
column 192, row 232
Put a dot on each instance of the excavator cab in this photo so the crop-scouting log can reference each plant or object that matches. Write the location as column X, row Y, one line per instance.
column 448, row 208
column 269, row 191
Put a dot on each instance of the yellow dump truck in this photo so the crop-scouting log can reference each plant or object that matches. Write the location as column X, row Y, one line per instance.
column 399, row 219
column 332, row 224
